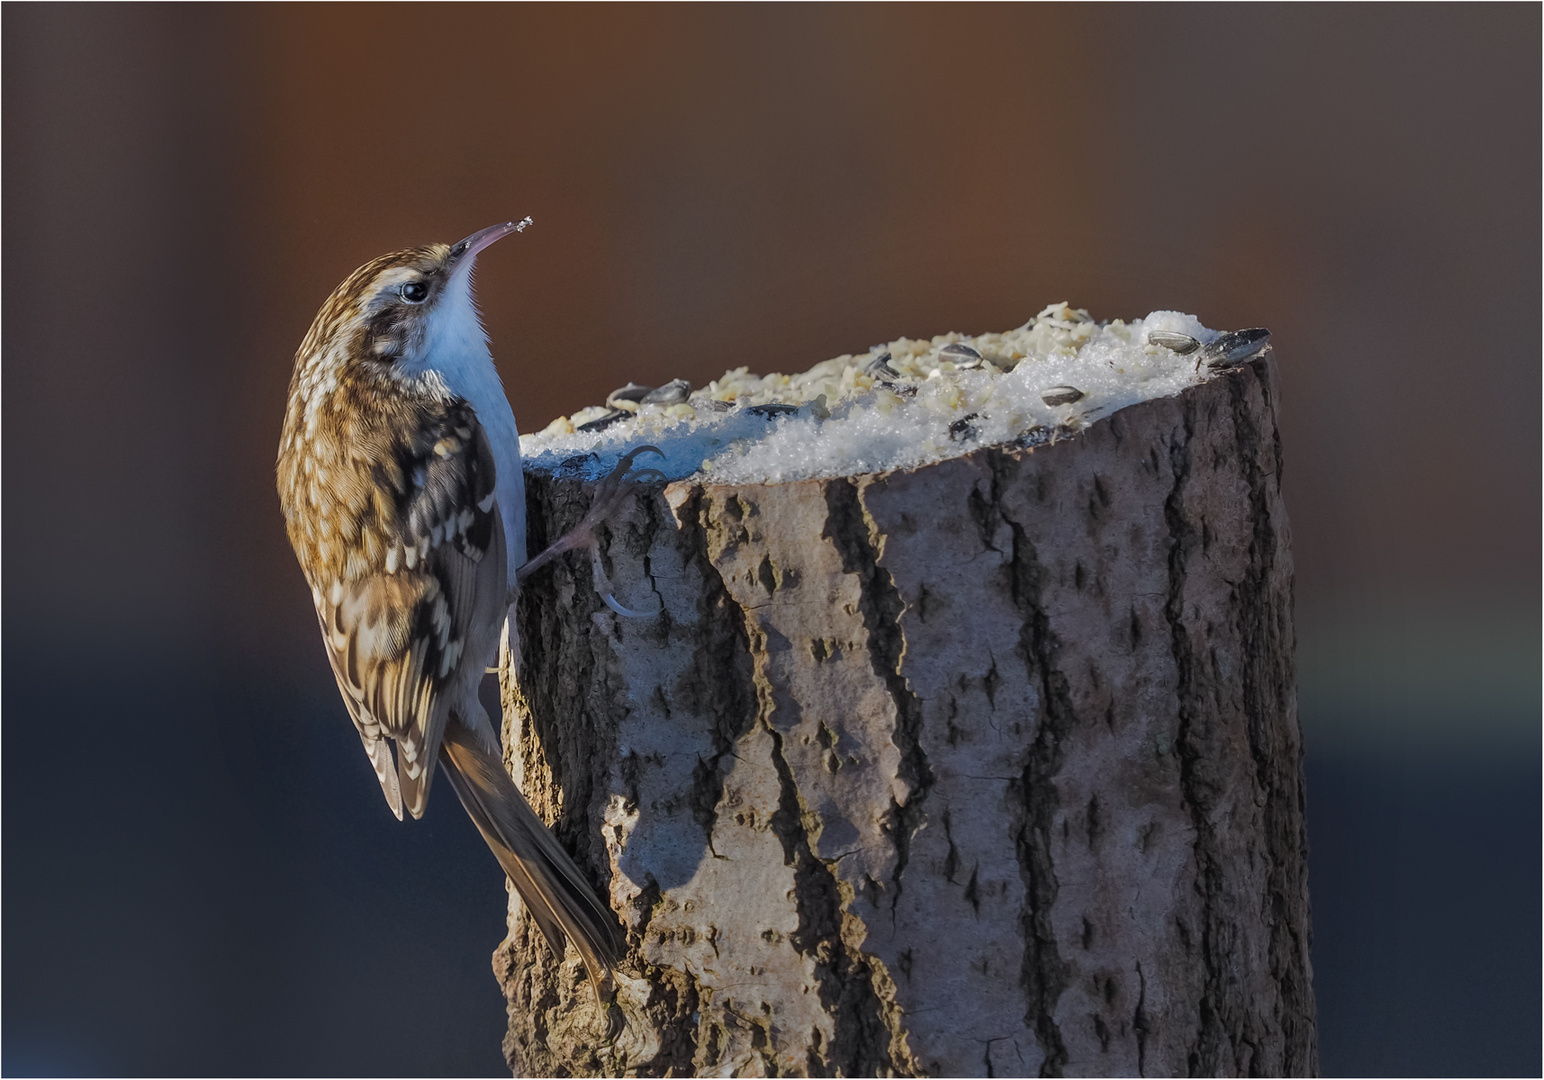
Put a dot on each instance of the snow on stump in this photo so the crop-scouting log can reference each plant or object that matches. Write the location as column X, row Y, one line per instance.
column 965, row 739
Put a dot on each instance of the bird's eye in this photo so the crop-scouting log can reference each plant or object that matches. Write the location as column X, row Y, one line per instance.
column 414, row 292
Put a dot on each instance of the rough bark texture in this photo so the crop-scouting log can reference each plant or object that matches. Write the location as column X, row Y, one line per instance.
column 988, row 767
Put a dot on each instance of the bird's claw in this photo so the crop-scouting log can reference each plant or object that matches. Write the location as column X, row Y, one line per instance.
column 608, row 493
column 627, row 612
column 611, row 487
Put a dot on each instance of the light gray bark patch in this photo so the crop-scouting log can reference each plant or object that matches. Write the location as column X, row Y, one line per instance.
column 860, row 1044
column 722, row 682
column 849, row 530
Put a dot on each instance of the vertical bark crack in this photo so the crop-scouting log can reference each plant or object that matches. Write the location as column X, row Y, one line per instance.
column 1265, row 626
column 1197, row 790
column 1139, row 1021
column 844, row 976
column 1231, row 1036
column 1043, row 973
column 722, row 677
column 855, row 537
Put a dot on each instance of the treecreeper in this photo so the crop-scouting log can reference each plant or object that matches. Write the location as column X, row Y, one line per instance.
column 399, row 476
column 984, row 765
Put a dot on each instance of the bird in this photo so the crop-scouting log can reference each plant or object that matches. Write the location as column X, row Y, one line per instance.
column 400, row 482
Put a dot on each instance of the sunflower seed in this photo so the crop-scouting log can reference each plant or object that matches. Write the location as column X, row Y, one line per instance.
column 1183, row 344
column 962, row 355
column 771, row 409
column 962, row 429
column 1034, row 436
column 712, row 404
column 880, row 367
column 672, row 393
column 571, row 466
column 898, row 388
column 1234, row 348
column 1061, row 395
column 603, row 421
column 627, row 397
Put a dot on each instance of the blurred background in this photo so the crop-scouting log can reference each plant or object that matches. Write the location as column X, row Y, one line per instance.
column 200, row 874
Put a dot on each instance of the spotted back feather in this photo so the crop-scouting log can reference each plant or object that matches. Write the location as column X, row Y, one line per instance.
column 393, row 524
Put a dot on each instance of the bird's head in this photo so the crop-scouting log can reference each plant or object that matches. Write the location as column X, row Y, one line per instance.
column 399, row 311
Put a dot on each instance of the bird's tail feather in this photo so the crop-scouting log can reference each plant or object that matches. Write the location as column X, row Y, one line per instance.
column 554, row 890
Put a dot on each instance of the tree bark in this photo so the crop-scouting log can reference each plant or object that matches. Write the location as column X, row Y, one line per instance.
column 986, row 767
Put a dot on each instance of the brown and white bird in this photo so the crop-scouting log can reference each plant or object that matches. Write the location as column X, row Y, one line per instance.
column 399, row 475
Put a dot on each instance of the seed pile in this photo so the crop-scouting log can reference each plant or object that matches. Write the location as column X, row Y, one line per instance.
column 899, row 404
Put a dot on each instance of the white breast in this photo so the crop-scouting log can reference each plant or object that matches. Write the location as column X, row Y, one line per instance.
column 455, row 347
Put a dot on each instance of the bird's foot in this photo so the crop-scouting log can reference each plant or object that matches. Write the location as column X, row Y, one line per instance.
column 608, row 494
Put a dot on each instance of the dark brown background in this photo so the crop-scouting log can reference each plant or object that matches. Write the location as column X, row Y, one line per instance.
column 200, row 875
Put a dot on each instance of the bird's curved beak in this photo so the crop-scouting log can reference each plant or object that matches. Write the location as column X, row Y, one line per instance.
column 468, row 248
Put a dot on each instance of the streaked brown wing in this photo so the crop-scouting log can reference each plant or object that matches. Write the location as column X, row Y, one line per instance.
column 396, row 633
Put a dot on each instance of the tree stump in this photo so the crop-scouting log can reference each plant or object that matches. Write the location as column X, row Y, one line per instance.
column 986, row 767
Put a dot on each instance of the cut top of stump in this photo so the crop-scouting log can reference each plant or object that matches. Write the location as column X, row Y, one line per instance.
column 902, row 404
